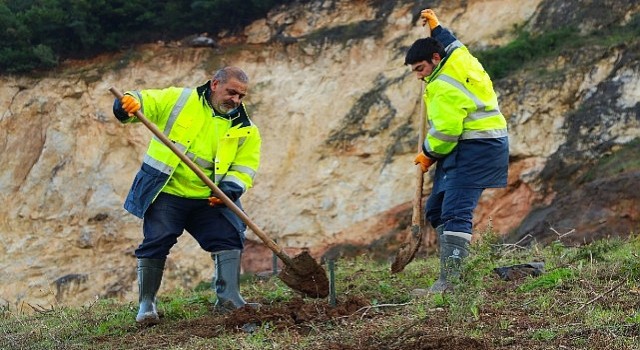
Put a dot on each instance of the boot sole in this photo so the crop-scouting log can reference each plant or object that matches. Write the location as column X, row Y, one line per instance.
column 148, row 319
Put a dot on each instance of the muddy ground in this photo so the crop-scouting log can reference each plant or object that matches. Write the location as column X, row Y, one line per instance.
column 353, row 323
column 304, row 317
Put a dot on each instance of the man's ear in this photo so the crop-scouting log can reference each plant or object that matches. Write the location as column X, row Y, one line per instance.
column 213, row 85
column 436, row 56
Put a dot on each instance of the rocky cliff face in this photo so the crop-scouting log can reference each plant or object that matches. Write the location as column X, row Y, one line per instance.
column 339, row 114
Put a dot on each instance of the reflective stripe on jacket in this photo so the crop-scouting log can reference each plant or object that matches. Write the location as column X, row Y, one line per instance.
column 461, row 103
column 180, row 113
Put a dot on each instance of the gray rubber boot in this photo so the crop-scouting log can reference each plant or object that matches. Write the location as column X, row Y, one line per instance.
column 149, row 278
column 453, row 250
column 226, row 280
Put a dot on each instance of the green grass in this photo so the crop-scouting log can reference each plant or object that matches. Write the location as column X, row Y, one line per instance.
column 625, row 159
column 553, row 279
column 500, row 62
column 527, row 48
column 587, row 292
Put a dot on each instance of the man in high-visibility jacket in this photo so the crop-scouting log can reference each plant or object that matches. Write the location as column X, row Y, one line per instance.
column 210, row 125
column 467, row 138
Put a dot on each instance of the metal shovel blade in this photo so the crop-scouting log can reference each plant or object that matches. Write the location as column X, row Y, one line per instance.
column 407, row 250
column 306, row 276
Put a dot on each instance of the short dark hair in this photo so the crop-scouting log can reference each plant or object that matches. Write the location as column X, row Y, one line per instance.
column 423, row 50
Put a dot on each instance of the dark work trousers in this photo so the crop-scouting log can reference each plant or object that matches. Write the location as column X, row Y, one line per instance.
column 453, row 208
column 169, row 215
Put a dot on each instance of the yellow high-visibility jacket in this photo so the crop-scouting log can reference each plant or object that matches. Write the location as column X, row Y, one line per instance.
column 461, row 102
column 468, row 134
column 180, row 113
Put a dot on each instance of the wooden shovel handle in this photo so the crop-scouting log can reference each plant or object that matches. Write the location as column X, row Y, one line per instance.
column 416, row 218
column 228, row 202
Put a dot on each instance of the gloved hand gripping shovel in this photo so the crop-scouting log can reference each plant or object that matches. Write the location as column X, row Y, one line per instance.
column 408, row 249
column 302, row 273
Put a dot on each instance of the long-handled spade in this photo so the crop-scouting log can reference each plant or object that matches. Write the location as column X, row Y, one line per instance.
column 408, row 249
column 301, row 273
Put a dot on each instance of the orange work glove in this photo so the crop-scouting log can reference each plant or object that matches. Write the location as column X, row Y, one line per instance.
column 424, row 161
column 428, row 16
column 213, row 201
column 130, row 104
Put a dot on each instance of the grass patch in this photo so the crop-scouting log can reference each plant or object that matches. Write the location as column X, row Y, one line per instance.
column 625, row 159
column 552, row 279
column 527, row 48
column 502, row 61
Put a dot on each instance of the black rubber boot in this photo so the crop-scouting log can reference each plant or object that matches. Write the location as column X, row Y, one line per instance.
column 453, row 250
column 149, row 278
column 226, row 280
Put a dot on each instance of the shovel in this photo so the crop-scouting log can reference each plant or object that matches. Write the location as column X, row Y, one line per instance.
column 301, row 273
column 408, row 250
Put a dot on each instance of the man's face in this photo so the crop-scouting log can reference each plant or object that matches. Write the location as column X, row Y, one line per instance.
column 422, row 69
column 226, row 97
column 425, row 68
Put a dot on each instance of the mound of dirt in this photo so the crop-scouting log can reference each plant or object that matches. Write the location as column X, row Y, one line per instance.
column 301, row 316
column 296, row 313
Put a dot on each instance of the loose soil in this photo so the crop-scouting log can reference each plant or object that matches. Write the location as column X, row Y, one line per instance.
column 304, row 317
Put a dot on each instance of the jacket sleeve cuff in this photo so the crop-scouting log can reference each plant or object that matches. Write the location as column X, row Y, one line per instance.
column 436, row 31
column 429, row 155
column 230, row 189
column 443, row 35
column 119, row 112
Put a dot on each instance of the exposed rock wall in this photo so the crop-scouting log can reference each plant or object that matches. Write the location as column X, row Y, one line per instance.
column 338, row 113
